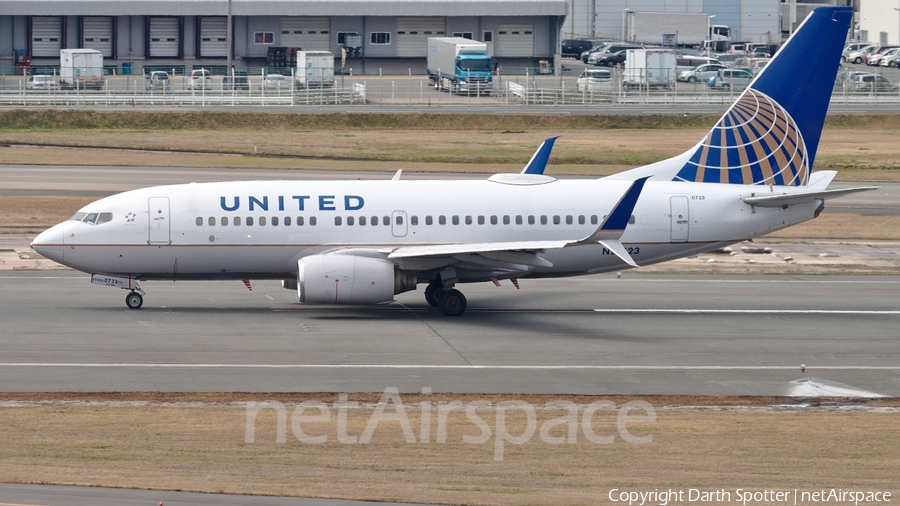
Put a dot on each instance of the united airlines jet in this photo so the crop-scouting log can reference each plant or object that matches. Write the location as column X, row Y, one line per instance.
column 362, row 242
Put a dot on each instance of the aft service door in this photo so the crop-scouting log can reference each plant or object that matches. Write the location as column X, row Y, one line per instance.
column 680, row 219
column 159, row 220
column 398, row 223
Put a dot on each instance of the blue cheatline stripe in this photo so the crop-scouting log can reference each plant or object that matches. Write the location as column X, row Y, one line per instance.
column 619, row 217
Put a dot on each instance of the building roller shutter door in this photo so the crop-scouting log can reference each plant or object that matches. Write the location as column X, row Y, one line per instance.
column 97, row 33
column 307, row 34
column 46, row 36
column 213, row 36
column 165, row 37
column 413, row 33
column 515, row 41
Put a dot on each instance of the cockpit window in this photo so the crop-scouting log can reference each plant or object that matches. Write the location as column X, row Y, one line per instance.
column 104, row 217
column 91, row 219
column 78, row 217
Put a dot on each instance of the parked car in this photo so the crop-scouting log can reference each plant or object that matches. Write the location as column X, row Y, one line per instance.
column 701, row 73
column 852, row 47
column 885, row 58
column 200, row 80
column 754, row 65
column 859, row 55
column 572, row 48
column 608, row 49
column 610, row 59
column 761, row 52
column 276, row 82
column 683, row 63
column 585, row 54
column 236, row 81
column 731, row 79
column 595, row 81
column 868, row 83
column 45, row 83
column 874, row 58
column 158, row 80
column 891, row 60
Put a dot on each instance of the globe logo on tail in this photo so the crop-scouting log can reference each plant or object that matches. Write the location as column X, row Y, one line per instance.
column 755, row 142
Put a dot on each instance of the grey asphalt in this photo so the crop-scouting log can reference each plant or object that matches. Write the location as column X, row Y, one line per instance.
column 103, row 181
column 653, row 334
column 51, row 495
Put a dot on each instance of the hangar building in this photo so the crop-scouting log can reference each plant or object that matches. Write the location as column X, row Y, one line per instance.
column 193, row 32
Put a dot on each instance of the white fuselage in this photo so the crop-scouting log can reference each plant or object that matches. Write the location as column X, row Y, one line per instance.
column 204, row 231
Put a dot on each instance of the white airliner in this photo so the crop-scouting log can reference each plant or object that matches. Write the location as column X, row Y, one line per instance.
column 362, row 242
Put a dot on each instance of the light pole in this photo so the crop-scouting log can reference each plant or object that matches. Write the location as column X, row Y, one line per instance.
column 228, row 43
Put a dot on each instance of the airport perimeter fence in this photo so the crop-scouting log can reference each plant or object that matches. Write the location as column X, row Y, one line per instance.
column 510, row 87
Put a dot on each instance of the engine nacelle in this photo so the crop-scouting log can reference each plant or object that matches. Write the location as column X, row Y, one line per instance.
column 350, row 279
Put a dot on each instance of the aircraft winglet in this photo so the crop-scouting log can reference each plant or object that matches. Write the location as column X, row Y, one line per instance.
column 538, row 161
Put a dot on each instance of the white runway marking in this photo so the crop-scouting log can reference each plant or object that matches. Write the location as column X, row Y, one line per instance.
column 457, row 367
column 749, row 311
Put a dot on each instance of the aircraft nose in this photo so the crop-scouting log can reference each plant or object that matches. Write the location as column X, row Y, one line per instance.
column 51, row 243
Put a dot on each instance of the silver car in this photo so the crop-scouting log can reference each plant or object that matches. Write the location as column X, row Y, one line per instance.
column 859, row 55
column 853, row 47
column 701, row 73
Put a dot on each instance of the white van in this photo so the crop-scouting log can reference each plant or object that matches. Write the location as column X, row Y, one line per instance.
column 595, row 81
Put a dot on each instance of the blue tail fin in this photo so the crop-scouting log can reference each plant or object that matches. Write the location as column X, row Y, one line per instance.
column 770, row 135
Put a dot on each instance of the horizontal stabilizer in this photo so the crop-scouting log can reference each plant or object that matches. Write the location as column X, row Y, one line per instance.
column 539, row 160
column 821, row 179
column 792, row 199
column 620, row 251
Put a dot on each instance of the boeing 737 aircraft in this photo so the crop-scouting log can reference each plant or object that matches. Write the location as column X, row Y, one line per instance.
column 362, row 242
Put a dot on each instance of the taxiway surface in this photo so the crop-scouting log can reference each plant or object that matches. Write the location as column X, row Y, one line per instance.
column 642, row 334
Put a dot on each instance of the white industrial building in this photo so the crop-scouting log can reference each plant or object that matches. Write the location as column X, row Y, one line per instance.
column 750, row 20
column 194, row 32
column 879, row 21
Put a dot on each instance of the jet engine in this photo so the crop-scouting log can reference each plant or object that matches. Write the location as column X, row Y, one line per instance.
column 350, row 279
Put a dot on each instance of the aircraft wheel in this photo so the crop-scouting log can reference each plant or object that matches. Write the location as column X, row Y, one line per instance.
column 452, row 303
column 432, row 293
column 134, row 300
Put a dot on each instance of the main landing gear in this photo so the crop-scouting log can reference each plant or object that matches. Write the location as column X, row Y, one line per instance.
column 450, row 301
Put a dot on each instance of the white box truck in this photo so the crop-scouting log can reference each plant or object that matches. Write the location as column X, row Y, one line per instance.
column 459, row 65
column 649, row 68
column 80, row 69
column 672, row 28
column 315, row 69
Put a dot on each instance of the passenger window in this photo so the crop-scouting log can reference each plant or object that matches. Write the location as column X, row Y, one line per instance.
column 262, row 221
column 543, row 219
column 287, row 221
column 594, row 219
column 312, row 221
column 237, row 221
column 199, row 221
column 337, row 220
column 556, row 219
column 224, row 221
column 455, row 220
column 530, row 219
column 386, row 220
column 362, row 221
column 518, row 220
column 468, row 220
column 374, row 220
column 249, row 221
column 349, row 221
column 428, row 220
column 569, row 219
column 442, row 219
column 506, row 219
column 104, row 218
column 299, row 221
column 631, row 221
column 211, row 221
column 399, row 220
column 493, row 220
column 581, row 219
column 481, row 220
column 274, row 221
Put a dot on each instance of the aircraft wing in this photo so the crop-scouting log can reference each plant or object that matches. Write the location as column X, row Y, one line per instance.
column 526, row 252
column 791, row 199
